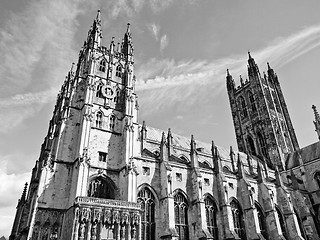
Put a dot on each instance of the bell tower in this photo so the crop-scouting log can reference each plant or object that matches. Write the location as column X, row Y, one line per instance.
column 261, row 119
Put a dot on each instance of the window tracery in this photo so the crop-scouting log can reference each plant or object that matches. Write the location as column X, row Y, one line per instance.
column 119, row 71
column 102, row 65
column 181, row 216
column 262, row 222
column 238, row 220
column 100, row 188
column 147, row 201
column 99, row 91
column 112, row 121
column 211, row 216
column 252, row 102
column 243, row 107
column 99, row 120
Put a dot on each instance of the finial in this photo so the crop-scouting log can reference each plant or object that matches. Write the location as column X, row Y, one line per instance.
column 249, row 55
column 128, row 27
column 317, row 120
column 268, row 66
column 163, row 138
column 228, row 74
column 241, row 80
column 98, row 14
column 24, row 193
column 143, row 124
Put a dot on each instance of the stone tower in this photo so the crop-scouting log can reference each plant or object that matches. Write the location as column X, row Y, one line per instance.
column 260, row 115
column 86, row 158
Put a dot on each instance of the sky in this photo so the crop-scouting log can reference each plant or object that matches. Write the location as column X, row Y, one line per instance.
column 182, row 49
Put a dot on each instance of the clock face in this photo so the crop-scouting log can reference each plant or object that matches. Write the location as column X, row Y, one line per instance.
column 107, row 92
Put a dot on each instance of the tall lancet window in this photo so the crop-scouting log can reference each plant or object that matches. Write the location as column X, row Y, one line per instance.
column 101, row 188
column 211, row 216
column 262, row 222
column 102, row 65
column 147, row 201
column 317, row 178
column 119, row 71
column 238, row 220
column 263, row 146
column 181, row 216
column 112, row 121
column 98, row 92
column 99, row 120
column 252, row 102
column 243, row 107
column 282, row 222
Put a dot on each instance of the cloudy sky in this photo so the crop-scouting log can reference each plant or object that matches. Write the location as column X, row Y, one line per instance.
column 182, row 51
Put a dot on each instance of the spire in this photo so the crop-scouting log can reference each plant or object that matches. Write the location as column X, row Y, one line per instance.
column 317, row 120
column 192, row 145
column 95, row 33
column 232, row 158
column 163, row 139
column 241, row 81
column 253, row 70
column 144, row 130
column 240, row 172
column 24, row 193
column 214, row 152
column 127, row 47
column 230, row 81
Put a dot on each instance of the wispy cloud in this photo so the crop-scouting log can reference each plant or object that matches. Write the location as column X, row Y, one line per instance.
column 31, row 42
column 182, row 77
column 163, row 42
column 154, row 30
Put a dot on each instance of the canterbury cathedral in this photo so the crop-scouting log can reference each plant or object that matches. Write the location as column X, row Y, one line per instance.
column 103, row 174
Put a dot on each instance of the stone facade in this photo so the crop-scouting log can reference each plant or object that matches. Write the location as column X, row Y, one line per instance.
column 102, row 175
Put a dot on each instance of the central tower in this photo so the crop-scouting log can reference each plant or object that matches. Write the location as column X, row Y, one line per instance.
column 261, row 119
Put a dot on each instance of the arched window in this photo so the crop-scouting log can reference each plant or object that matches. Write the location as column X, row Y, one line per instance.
column 211, row 217
column 282, row 222
column 263, row 146
column 238, row 220
column 181, row 216
column 119, row 71
column 317, row 178
column 243, row 107
column 117, row 97
column 112, row 121
column 101, row 188
column 262, row 221
column 98, row 92
column 252, row 102
column 102, row 65
column 252, row 149
column 99, row 120
column 146, row 199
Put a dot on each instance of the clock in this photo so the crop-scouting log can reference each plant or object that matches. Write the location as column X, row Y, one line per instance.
column 107, row 92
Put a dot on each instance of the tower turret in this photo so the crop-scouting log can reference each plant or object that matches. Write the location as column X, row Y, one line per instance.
column 260, row 116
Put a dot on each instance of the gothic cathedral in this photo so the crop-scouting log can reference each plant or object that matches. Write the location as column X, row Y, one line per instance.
column 102, row 175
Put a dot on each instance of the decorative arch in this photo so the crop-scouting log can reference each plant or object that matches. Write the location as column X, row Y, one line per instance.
column 261, row 219
column 102, row 65
column 316, row 177
column 238, row 219
column 262, row 144
column 181, row 214
column 112, row 122
column 146, row 198
column 184, row 158
column 99, row 119
column 211, row 215
column 252, row 148
column 281, row 221
column 243, row 107
column 101, row 187
column 252, row 102
column 119, row 70
column 99, row 90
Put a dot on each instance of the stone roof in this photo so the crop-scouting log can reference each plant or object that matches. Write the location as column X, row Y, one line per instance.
column 307, row 154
